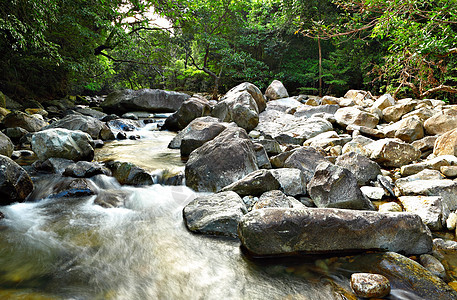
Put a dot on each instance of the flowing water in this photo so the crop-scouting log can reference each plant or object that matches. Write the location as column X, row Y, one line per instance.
column 69, row 248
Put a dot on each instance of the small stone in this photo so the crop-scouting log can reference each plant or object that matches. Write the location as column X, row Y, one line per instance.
column 368, row 285
column 449, row 171
column 390, row 207
column 373, row 193
column 451, row 221
column 432, row 264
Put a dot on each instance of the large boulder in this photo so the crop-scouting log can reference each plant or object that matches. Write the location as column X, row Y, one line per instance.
column 306, row 160
column 31, row 123
column 15, row 183
column 336, row 187
column 240, row 108
column 6, row 146
column 432, row 209
column 225, row 159
column 94, row 127
column 395, row 112
column 291, row 181
column 285, row 231
column 215, row 214
column 301, row 129
column 276, row 90
column 441, row 122
column 353, row 116
column 63, row 143
column 191, row 109
column 393, row 152
column 446, row 144
column 410, row 129
column 384, row 101
column 254, row 184
column 123, row 101
column 363, row 168
column 251, row 89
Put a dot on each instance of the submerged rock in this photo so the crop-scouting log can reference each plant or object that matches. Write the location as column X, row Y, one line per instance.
column 129, row 174
column 15, row 183
column 111, row 198
column 86, row 169
column 215, row 214
column 282, row 231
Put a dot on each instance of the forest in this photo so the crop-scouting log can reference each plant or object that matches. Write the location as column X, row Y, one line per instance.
column 53, row 48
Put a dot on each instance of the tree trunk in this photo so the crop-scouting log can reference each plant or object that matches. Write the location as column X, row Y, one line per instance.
column 320, row 66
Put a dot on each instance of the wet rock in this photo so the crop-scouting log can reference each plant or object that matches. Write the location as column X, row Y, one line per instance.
column 63, row 143
column 277, row 198
column 31, row 123
column 53, row 165
column 364, row 169
column 441, row 122
column 129, row 174
column 353, row 116
column 445, row 188
column 215, row 214
column 276, row 90
column 410, row 129
column 367, row 285
column 191, row 109
column 240, row 108
column 306, row 160
column 72, row 187
column 291, row 181
column 392, row 152
column 111, row 198
column 85, row 169
column 432, row 209
column 148, row 100
column 225, row 159
column 433, row 265
column 446, row 144
column 254, row 184
column 286, row 231
column 403, row 273
column 123, row 124
column 15, row 183
column 6, row 145
column 395, row 112
column 94, row 127
column 336, row 187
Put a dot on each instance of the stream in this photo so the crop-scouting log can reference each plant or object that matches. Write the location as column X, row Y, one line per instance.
column 70, row 248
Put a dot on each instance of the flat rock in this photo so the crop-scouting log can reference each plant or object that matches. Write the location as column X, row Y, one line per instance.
column 286, row 231
column 94, row 127
column 217, row 214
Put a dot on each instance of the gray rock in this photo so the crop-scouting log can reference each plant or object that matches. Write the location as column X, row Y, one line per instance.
column 433, row 265
column 284, row 105
column 432, row 209
column 15, row 183
column 240, row 108
column 336, row 187
column 372, row 192
column 301, row 129
column 254, row 184
column 261, row 157
column 309, row 111
column 277, row 198
column 306, row 160
column 392, row 152
column 53, row 165
column 85, row 169
column 15, row 133
column 353, row 116
column 94, row 127
column 199, row 133
column 271, row 146
column 215, row 214
column 445, row 188
column 276, row 90
column 6, row 145
column 251, row 89
column 358, row 145
column 123, row 124
column 225, row 159
column 285, row 231
column 71, row 144
column 123, row 101
column 291, row 181
column 129, row 174
column 364, row 169
column 31, row 123
column 90, row 112
column 191, row 109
